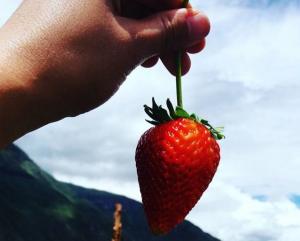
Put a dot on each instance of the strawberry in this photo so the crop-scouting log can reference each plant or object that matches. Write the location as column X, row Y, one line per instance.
column 176, row 160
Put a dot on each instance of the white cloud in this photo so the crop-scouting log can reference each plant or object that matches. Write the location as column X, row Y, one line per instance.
column 114, row 185
column 246, row 80
column 254, row 46
column 234, row 215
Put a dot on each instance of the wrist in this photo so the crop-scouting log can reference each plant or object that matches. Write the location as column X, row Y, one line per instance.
column 18, row 103
column 13, row 120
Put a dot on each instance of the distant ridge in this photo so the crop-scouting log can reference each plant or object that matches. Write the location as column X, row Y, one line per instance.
column 36, row 207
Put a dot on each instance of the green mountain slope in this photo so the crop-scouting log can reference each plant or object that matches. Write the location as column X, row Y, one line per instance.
column 36, row 207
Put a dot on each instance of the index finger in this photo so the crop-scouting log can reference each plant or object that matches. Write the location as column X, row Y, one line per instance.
column 162, row 4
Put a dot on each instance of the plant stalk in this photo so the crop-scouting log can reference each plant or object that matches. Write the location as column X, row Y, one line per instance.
column 179, row 79
column 179, row 70
column 117, row 228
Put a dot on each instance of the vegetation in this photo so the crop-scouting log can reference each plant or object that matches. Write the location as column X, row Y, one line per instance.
column 36, row 207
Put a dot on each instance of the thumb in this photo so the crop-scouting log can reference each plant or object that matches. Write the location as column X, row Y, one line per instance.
column 169, row 31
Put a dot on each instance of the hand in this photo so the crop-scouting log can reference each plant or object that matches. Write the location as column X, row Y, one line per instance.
column 142, row 8
column 62, row 58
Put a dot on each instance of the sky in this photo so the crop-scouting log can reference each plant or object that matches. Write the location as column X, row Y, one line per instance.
column 247, row 79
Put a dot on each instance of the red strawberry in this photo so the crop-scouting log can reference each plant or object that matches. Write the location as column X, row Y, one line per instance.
column 176, row 161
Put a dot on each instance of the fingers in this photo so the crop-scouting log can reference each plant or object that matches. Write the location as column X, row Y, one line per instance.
column 169, row 31
column 194, row 49
column 154, row 4
column 169, row 59
column 164, row 33
column 161, row 4
column 150, row 62
column 170, row 63
column 132, row 9
column 142, row 8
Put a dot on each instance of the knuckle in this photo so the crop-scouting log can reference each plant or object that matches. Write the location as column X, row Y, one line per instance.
column 174, row 34
column 169, row 34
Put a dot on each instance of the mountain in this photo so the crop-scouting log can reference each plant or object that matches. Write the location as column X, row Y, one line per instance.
column 36, row 207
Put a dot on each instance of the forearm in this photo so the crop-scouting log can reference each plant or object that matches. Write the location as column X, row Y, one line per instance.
column 19, row 108
column 12, row 107
column 62, row 58
column 12, row 112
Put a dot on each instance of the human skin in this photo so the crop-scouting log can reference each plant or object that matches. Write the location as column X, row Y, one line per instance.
column 62, row 58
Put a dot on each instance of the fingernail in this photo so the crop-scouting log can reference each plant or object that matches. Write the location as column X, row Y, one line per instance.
column 199, row 26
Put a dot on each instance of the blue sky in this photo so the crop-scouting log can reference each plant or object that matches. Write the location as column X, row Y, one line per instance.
column 247, row 79
column 296, row 200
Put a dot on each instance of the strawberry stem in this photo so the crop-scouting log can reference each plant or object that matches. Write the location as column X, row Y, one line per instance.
column 179, row 70
column 179, row 80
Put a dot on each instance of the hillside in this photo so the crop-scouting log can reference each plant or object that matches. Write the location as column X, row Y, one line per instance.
column 36, row 207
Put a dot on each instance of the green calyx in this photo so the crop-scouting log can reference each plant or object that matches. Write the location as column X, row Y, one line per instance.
column 159, row 115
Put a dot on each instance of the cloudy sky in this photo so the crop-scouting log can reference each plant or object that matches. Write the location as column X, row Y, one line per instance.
column 247, row 80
